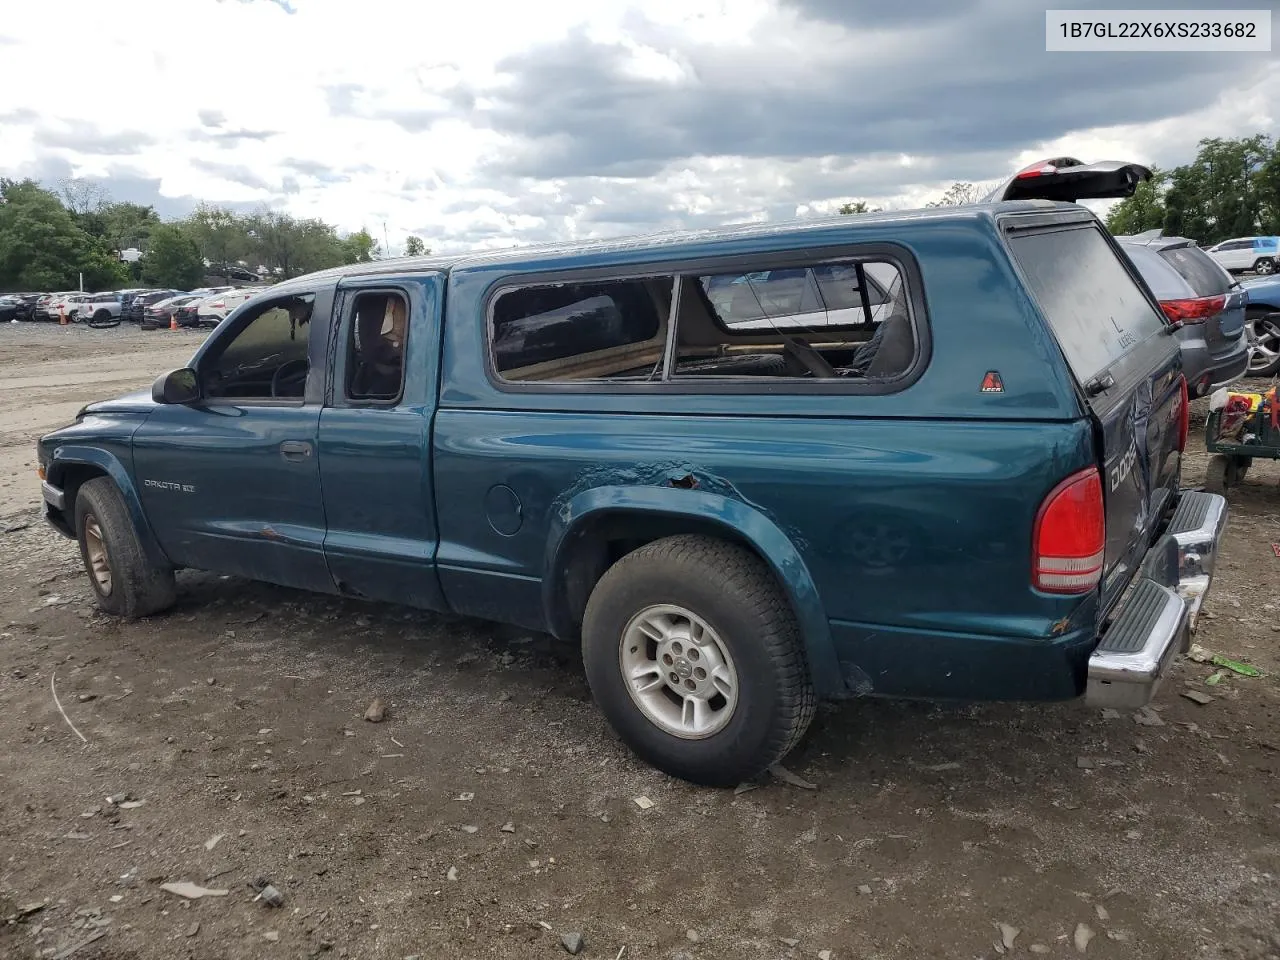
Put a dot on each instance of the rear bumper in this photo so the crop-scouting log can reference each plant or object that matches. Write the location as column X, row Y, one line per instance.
column 1206, row 370
column 1159, row 615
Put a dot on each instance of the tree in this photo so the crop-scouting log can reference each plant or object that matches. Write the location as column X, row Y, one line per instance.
column 173, row 259
column 1144, row 210
column 223, row 237
column 414, row 247
column 82, row 196
column 1226, row 191
column 43, row 248
column 359, row 247
column 958, row 194
column 856, row 206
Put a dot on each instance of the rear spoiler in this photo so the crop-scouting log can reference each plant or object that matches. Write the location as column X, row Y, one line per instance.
column 1070, row 180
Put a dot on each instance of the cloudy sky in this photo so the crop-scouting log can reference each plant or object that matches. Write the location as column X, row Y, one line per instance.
column 485, row 123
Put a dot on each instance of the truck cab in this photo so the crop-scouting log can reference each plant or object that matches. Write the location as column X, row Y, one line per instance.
column 932, row 454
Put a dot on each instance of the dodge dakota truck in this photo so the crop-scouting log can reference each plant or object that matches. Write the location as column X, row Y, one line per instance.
column 931, row 454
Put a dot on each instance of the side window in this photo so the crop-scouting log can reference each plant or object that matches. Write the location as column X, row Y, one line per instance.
column 611, row 330
column 267, row 358
column 378, row 327
column 843, row 319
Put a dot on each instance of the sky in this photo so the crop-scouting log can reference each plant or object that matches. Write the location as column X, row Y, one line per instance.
column 485, row 124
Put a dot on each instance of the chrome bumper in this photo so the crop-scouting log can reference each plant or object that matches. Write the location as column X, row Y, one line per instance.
column 1160, row 613
column 52, row 495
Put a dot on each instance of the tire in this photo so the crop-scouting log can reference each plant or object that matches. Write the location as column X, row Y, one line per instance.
column 1264, row 265
column 134, row 587
column 743, row 613
column 1225, row 471
column 1264, row 332
column 103, row 319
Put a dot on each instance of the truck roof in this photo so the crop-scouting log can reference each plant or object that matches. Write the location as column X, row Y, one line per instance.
column 681, row 243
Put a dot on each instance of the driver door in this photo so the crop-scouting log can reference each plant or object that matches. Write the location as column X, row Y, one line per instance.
column 231, row 483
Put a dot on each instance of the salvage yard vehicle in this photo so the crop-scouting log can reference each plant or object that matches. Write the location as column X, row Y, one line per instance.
column 946, row 467
column 1263, row 313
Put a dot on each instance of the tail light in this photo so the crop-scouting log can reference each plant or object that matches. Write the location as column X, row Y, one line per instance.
column 1184, row 414
column 1036, row 170
column 217, row 305
column 1070, row 536
column 1193, row 310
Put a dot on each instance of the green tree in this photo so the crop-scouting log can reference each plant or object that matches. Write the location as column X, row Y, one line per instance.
column 1224, row 192
column 856, row 206
column 1144, row 210
column 359, row 247
column 43, row 248
column 173, row 259
column 222, row 237
column 414, row 247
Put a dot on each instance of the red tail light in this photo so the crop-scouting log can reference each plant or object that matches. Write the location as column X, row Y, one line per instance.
column 1184, row 414
column 1036, row 170
column 1070, row 536
column 1194, row 310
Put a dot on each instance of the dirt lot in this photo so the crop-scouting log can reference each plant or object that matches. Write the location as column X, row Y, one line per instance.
column 492, row 812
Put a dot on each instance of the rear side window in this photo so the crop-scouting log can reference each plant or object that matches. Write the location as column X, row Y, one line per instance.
column 1097, row 312
column 580, row 331
column 800, row 299
column 1165, row 282
column 1199, row 269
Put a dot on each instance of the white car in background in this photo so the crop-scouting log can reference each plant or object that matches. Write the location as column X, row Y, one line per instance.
column 213, row 309
column 1259, row 254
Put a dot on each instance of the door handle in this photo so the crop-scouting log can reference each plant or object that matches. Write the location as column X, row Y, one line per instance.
column 295, row 450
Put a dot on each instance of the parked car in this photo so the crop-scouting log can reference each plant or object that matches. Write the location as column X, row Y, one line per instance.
column 1263, row 318
column 734, row 523
column 212, row 309
column 46, row 306
column 20, row 306
column 1204, row 306
column 159, row 314
column 1203, row 300
column 66, row 304
column 188, row 314
column 102, row 307
column 137, row 306
column 1258, row 254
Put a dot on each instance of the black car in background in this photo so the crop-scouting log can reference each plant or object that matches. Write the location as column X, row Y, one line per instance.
column 135, row 307
column 17, row 306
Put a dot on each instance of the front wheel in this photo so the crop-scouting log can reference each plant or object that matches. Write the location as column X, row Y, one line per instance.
column 125, row 582
column 1264, row 265
column 694, row 656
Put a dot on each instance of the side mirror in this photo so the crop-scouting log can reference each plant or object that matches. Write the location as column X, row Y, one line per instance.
column 178, row 387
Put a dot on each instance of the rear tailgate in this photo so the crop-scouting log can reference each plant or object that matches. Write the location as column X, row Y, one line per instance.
column 1128, row 367
column 1209, row 280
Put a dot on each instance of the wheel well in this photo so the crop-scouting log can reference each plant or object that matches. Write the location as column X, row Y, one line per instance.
column 600, row 542
column 74, row 476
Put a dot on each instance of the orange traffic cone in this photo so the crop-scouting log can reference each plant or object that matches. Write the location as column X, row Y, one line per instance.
column 62, row 316
column 173, row 323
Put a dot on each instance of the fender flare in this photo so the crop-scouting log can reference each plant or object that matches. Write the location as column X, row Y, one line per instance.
column 71, row 455
column 740, row 521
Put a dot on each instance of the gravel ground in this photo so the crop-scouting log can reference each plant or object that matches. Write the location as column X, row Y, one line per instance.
column 492, row 812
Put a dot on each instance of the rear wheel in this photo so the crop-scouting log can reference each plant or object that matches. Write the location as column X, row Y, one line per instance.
column 1225, row 471
column 1264, row 341
column 694, row 656
column 1264, row 265
column 103, row 318
column 125, row 582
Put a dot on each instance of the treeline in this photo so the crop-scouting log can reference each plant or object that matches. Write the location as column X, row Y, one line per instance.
column 48, row 240
column 1230, row 189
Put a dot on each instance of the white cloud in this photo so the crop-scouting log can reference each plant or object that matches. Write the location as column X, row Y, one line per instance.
column 414, row 141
